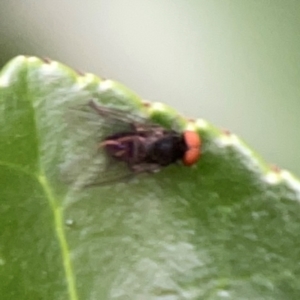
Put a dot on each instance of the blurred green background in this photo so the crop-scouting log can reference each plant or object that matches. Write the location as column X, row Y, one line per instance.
column 235, row 63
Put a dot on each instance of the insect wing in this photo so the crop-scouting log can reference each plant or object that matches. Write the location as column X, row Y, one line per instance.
column 87, row 164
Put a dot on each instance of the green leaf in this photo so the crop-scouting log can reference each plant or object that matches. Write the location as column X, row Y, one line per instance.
column 226, row 228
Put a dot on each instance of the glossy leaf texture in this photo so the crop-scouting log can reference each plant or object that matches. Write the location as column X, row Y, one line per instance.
column 226, row 228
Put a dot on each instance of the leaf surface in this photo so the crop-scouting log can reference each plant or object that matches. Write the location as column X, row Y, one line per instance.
column 226, row 228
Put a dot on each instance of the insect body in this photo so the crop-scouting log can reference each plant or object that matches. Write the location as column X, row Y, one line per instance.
column 111, row 145
column 147, row 147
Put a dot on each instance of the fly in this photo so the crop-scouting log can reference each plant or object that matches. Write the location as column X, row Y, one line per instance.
column 140, row 145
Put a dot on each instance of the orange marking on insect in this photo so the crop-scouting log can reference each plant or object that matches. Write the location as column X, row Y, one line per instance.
column 193, row 142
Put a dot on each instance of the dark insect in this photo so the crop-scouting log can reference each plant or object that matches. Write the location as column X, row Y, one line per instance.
column 141, row 145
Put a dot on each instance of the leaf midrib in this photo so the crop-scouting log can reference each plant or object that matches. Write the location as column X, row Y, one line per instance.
column 59, row 226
